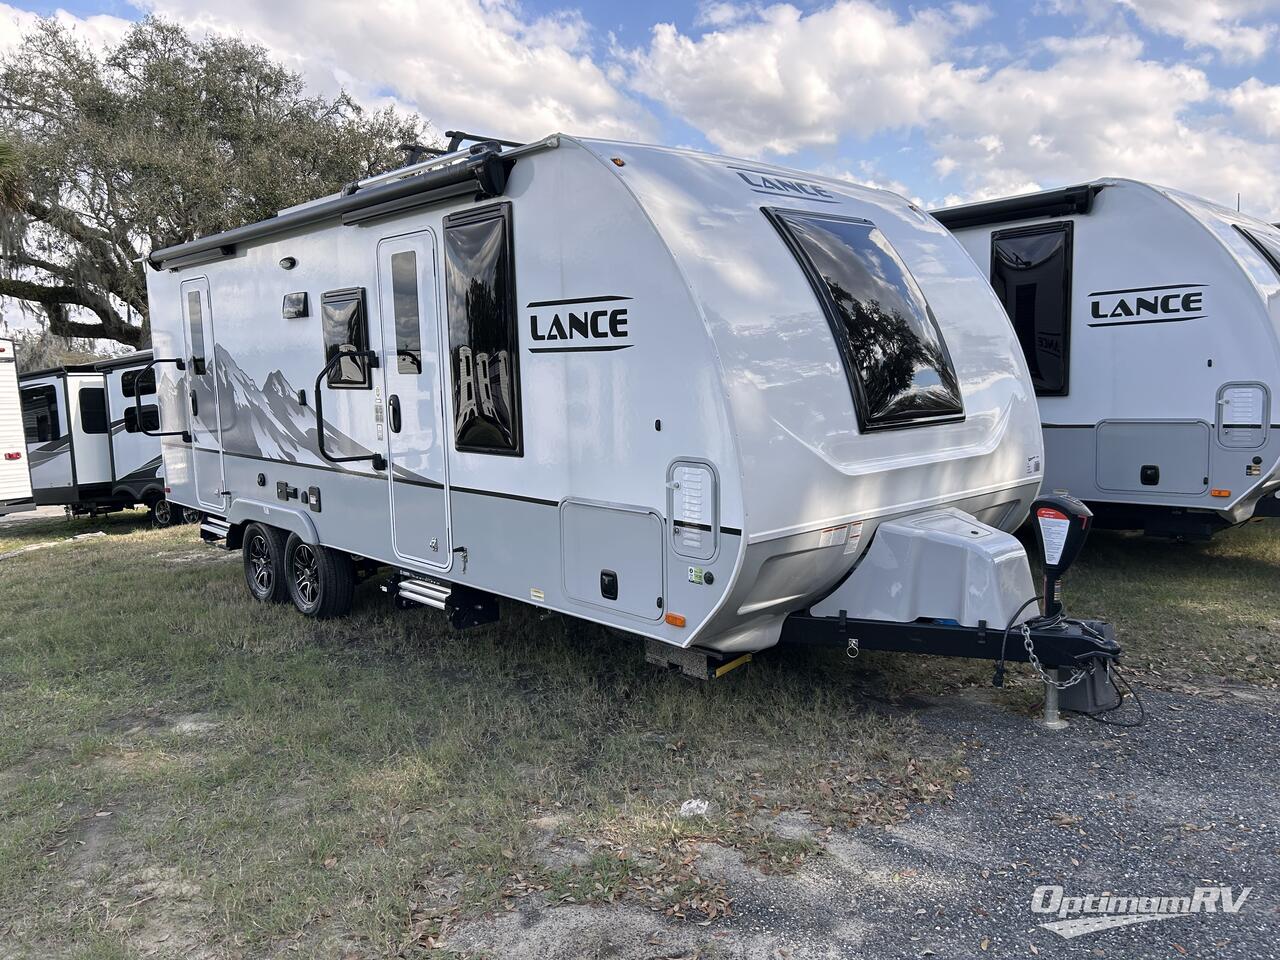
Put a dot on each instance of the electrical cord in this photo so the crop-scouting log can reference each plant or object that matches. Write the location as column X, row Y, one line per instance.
column 997, row 679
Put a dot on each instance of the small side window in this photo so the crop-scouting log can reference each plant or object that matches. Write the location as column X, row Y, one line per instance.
column 40, row 414
column 895, row 358
column 150, row 419
column 93, row 410
column 345, row 325
column 483, row 344
column 404, row 294
column 134, row 383
column 1031, row 274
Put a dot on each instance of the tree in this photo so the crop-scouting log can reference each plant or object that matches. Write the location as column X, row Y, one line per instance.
column 162, row 139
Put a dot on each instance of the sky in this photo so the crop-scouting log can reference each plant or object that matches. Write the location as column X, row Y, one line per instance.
column 942, row 102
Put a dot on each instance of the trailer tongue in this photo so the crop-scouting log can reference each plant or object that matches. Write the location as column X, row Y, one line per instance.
column 1073, row 657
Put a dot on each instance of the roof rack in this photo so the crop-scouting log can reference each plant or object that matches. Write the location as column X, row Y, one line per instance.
column 458, row 137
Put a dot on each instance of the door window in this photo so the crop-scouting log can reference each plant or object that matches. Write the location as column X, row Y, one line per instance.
column 195, row 321
column 404, row 294
column 1031, row 274
column 93, row 410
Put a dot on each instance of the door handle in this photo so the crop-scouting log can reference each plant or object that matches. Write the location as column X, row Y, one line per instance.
column 195, row 406
column 393, row 413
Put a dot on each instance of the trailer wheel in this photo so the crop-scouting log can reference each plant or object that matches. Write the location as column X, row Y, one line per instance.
column 321, row 581
column 264, row 575
column 190, row 516
column 163, row 513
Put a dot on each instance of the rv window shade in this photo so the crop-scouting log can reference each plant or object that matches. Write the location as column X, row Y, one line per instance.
column 133, row 383
column 195, row 321
column 345, row 326
column 1031, row 274
column 893, row 351
column 93, row 410
column 404, row 294
column 40, row 414
column 483, row 345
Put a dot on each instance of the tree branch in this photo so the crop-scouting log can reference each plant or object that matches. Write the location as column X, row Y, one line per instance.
column 56, row 298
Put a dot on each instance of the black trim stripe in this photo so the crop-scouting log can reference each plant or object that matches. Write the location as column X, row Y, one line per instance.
column 1140, row 323
column 576, row 300
column 1172, row 286
column 414, row 481
column 499, row 495
column 604, row 349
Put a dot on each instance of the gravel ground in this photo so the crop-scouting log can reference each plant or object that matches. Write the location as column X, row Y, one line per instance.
column 1188, row 800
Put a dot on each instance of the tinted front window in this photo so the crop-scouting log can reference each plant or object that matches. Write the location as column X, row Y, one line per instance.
column 1031, row 274
column 889, row 340
column 482, row 331
column 93, row 410
column 40, row 414
column 345, row 329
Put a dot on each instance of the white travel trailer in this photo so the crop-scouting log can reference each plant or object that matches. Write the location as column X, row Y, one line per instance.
column 1150, row 320
column 680, row 395
column 84, row 446
column 15, row 476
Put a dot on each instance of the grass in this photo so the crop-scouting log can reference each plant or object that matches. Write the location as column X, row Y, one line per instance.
column 185, row 772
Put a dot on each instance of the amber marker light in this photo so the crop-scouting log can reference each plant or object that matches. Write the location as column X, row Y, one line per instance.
column 1218, row 492
column 675, row 619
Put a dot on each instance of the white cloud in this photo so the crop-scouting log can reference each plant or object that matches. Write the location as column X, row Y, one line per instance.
column 1257, row 105
column 98, row 31
column 472, row 64
column 782, row 80
column 1230, row 27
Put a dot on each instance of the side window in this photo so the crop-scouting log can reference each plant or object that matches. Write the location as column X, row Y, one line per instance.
column 345, row 324
column 93, row 410
column 195, row 321
column 483, row 344
column 894, row 356
column 40, row 413
column 404, row 293
column 1031, row 274
column 133, row 383
column 150, row 419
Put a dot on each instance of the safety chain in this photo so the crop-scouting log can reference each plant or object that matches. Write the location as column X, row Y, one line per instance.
column 1076, row 676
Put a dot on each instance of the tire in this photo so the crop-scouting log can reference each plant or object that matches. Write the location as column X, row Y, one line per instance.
column 164, row 513
column 321, row 581
column 190, row 516
column 263, row 550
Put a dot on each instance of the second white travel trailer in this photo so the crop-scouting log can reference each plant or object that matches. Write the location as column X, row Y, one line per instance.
column 15, row 477
column 1151, row 323
column 83, row 442
column 711, row 402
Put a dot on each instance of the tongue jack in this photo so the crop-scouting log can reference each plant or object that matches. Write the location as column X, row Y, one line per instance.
column 1062, row 526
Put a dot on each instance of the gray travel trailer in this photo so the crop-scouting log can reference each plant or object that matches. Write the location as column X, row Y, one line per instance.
column 1150, row 320
column 15, row 477
column 711, row 402
column 83, row 443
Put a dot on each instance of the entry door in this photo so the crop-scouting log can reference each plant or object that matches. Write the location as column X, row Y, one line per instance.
column 202, row 394
column 412, row 379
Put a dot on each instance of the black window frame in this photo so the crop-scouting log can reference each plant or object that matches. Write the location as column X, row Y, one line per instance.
column 327, row 301
column 408, row 358
column 129, row 381
column 503, row 212
column 101, row 420
column 1272, row 257
column 1067, row 228
column 866, row 424
column 51, row 406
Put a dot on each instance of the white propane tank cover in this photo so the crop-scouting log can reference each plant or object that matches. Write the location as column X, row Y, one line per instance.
column 942, row 564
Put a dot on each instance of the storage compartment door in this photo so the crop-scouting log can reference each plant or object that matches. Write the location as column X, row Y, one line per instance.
column 1153, row 456
column 1244, row 412
column 611, row 557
